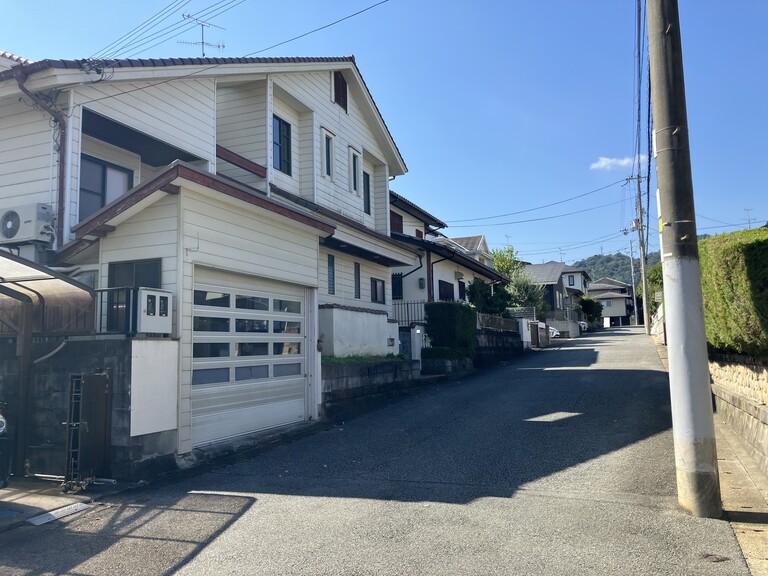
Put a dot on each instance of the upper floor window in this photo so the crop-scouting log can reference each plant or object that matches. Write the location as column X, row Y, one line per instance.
column 340, row 90
column 354, row 171
column 328, row 160
column 397, row 286
column 445, row 291
column 100, row 183
column 366, row 193
column 357, row 280
column 419, row 233
column 395, row 222
column 281, row 145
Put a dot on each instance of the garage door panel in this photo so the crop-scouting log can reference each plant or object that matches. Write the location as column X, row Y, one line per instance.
column 209, row 428
column 249, row 355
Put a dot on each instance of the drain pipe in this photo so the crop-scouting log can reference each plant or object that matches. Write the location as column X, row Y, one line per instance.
column 61, row 120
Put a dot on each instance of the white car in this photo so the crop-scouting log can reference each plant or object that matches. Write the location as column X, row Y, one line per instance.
column 584, row 326
column 554, row 332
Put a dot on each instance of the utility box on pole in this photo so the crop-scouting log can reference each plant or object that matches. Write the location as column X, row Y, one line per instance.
column 698, row 484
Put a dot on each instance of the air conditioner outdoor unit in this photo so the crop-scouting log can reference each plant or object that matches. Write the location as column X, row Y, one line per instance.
column 28, row 223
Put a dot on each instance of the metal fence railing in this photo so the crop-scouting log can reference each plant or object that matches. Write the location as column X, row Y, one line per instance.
column 408, row 311
column 497, row 323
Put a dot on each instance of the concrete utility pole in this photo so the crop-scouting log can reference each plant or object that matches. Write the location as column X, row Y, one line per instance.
column 632, row 271
column 640, row 226
column 698, row 485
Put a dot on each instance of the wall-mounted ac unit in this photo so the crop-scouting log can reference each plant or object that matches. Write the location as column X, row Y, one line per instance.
column 28, row 223
column 153, row 311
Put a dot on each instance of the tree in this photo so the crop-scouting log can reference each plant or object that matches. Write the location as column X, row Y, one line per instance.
column 486, row 299
column 505, row 261
column 524, row 292
column 592, row 308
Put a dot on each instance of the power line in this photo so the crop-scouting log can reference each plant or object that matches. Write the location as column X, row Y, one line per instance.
column 212, row 66
column 542, row 218
column 539, row 207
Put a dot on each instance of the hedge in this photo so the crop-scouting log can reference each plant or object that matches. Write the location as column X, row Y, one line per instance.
column 452, row 325
column 734, row 282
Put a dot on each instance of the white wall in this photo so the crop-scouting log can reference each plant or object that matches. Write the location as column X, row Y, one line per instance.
column 154, row 385
column 355, row 333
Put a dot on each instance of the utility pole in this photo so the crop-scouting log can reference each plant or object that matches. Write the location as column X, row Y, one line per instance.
column 698, row 483
column 632, row 271
column 640, row 227
column 749, row 220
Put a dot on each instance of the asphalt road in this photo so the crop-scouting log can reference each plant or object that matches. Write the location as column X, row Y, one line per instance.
column 558, row 463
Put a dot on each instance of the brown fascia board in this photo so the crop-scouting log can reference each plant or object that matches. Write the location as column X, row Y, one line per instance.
column 407, row 206
column 178, row 169
column 327, row 212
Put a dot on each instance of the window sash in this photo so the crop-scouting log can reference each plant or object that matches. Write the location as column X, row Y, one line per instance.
column 366, row 193
column 377, row 291
column 331, row 274
column 357, row 280
column 281, row 145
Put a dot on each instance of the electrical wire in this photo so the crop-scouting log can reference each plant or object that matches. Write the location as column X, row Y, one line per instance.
column 212, row 66
column 539, row 207
column 540, row 219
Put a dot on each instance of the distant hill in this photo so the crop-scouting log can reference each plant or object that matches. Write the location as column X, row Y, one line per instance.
column 614, row 266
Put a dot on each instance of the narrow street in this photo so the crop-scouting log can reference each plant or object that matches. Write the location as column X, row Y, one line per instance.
column 558, row 463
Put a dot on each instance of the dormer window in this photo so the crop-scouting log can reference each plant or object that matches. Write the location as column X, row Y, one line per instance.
column 340, row 90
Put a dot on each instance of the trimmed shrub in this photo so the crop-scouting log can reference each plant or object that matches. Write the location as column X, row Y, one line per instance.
column 452, row 325
column 734, row 282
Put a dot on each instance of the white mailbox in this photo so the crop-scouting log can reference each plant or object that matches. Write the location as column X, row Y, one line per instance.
column 153, row 311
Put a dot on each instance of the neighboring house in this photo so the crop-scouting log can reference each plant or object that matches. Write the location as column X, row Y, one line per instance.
column 445, row 267
column 616, row 298
column 477, row 248
column 254, row 192
column 563, row 285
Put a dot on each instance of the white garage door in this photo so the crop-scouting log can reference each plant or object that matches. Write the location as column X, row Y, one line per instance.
column 248, row 356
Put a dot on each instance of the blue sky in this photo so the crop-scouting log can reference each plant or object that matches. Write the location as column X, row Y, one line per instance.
column 498, row 106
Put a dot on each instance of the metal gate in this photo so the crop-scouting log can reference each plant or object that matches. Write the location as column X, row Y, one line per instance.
column 405, row 341
column 88, row 429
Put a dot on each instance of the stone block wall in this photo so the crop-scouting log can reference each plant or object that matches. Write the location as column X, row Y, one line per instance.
column 740, row 389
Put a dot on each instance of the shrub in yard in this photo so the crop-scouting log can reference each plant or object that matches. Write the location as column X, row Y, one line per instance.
column 452, row 325
column 734, row 282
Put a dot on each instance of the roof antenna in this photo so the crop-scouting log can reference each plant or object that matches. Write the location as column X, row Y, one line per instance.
column 203, row 25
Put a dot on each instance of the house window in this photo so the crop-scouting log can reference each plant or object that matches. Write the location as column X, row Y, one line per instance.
column 100, row 184
column 571, row 280
column 377, row 291
column 340, row 90
column 357, row 280
column 134, row 274
column 606, row 303
column 395, row 222
column 419, row 234
column 445, row 291
column 354, row 171
column 331, row 274
column 462, row 290
column 328, row 161
column 281, row 145
column 366, row 193
column 397, row 286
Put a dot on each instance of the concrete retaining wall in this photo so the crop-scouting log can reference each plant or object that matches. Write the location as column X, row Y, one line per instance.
column 740, row 388
column 350, row 387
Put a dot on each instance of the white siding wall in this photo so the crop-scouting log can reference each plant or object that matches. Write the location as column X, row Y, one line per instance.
column 345, row 281
column 241, row 115
column 27, row 161
column 114, row 155
column 285, row 112
column 410, row 224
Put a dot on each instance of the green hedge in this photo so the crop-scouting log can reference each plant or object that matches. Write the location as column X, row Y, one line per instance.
column 452, row 325
column 734, row 282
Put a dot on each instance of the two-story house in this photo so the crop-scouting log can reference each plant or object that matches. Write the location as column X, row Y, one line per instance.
column 564, row 287
column 254, row 192
column 617, row 300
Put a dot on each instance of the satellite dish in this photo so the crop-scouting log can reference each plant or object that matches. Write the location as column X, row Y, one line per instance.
column 10, row 224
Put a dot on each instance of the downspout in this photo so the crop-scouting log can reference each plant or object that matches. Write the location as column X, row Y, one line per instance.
column 419, row 267
column 58, row 117
column 431, row 288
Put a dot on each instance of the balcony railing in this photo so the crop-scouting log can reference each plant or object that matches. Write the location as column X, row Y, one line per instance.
column 408, row 311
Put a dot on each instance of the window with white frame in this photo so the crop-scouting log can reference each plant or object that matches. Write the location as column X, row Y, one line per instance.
column 571, row 280
column 328, row 154
column 354, row 171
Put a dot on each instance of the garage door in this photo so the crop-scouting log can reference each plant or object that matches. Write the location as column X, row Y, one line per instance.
column 248, row 356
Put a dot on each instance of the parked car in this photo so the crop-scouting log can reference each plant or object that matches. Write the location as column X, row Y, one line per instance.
column 584, row 326
column 5, row 447
column 554, row 332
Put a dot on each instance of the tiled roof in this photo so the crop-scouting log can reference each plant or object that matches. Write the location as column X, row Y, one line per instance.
column 404, row 204
column 547, row 273
column 7, row 60
column 470, row 242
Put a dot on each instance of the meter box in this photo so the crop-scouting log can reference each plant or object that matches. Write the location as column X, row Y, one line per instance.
column 153, row 311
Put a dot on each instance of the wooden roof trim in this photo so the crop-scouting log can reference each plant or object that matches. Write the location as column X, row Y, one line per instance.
column 240, row 161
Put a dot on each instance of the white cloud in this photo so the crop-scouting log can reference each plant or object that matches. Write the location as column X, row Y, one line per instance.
column 604, row 163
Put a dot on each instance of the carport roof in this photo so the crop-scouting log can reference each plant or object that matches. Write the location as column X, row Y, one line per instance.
column 60, row 303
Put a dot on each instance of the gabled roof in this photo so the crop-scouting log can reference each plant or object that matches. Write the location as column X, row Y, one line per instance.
column 608, row 295
column 407, row 206
column 7, row 60
column 610, row 282
column 51, row 74
column 547, row 273
column 472, row 243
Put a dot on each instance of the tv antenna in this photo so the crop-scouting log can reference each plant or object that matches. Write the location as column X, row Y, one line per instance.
column 203, row 25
